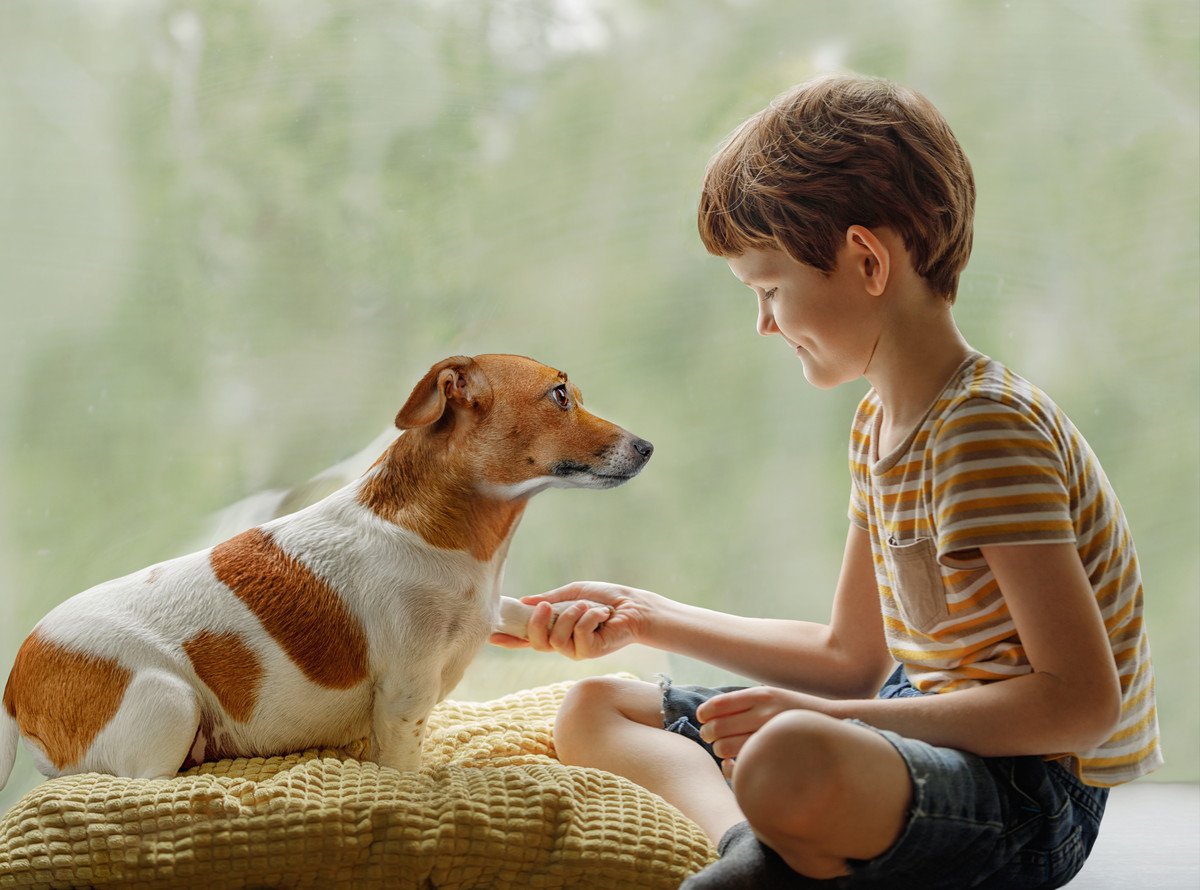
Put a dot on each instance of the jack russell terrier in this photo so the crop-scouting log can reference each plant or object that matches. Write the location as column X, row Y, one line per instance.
column 349, row 619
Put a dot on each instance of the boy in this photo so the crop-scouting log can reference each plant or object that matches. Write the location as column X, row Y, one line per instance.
column 987, row 555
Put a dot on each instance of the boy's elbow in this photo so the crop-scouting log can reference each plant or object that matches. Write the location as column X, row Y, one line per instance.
column 868, row 677
column 1099, row 715
column 1112, row 718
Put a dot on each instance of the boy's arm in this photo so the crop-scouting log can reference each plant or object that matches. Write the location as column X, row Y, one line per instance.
column 847, row 657
column 1070, row 702
column 1072, row 699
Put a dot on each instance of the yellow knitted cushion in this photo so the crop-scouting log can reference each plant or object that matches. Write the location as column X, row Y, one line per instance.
column 490, row 807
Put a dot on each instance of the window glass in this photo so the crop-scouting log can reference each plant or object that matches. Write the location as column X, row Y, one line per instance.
column 235, row 235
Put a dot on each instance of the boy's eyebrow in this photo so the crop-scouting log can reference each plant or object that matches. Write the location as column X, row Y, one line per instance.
column 753, row 274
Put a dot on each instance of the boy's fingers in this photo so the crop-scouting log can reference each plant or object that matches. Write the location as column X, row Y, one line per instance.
column 730, row 746
column 727, row 767
column 508, row 641
column 723, row 705
column 539, row 627
column 597, row 591
column 594, row 617
column 557, row 595
column 563, row 632
column 585, row 631
column 729, row 725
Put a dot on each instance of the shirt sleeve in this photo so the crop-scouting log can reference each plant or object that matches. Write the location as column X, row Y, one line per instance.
column 858, row 507
column 999, row 477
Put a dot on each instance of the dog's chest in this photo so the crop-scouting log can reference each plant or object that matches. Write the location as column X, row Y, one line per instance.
column 421, row 608
column 431, row 618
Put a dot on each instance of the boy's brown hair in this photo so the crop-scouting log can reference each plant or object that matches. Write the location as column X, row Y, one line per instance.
column 838, row 151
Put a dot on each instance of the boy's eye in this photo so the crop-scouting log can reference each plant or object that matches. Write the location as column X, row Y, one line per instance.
column 769, row 293
column 561, row 397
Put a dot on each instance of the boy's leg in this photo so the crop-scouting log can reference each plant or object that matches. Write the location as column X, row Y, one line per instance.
column 962, row 820
column 819, row 791
column 815, row 789
column 617, row 725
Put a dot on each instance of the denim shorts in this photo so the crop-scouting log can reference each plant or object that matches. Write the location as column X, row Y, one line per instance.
column 1002, row 823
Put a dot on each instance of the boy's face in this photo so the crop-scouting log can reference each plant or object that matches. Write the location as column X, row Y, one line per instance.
column 831, row 322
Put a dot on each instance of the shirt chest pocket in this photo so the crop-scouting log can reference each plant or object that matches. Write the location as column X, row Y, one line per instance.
column 917, row 583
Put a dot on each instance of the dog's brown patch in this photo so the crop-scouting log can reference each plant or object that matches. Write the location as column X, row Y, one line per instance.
column 61, row 698
column 229, row 668
column 302, row 613
column 410, row 489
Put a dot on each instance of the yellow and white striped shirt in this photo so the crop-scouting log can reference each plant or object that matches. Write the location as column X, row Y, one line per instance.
column 994, row 461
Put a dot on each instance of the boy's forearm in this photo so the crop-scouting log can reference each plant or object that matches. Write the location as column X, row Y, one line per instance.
column 1037, row 713
column 778, row 652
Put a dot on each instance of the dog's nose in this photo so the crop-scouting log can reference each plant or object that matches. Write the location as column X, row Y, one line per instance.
column 642, row 447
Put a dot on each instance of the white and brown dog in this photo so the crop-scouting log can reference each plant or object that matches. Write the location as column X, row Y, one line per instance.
column 346, row 620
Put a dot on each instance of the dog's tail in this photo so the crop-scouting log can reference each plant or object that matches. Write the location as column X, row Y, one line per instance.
column 9, row 733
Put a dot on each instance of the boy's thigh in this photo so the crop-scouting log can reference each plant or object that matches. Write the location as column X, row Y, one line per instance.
column 996, row 822
column 1051, row 848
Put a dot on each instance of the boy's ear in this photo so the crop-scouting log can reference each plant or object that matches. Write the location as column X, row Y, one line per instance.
column 457, row 382
column 873, row 256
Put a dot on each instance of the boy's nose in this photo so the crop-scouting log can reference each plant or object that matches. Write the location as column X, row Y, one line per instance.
column 766, row 321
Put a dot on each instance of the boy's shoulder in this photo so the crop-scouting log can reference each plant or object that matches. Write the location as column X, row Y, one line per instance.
column 982, row 393
column 989, row 391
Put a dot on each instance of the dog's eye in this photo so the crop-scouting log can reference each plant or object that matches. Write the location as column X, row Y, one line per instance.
column 561, row 397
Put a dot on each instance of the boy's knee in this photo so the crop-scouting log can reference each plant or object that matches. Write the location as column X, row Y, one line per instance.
column 790, row 766
column 593, row 695
column 595, row 701
column 807, row 739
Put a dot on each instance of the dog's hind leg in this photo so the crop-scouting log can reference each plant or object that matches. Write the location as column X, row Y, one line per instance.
column 153, row 730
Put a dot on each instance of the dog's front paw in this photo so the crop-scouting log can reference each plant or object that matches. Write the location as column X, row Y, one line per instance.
column 407, row 759
column 515, row 615
column 397, row 745
column 403, row 764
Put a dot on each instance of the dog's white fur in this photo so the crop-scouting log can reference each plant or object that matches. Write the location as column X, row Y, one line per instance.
column 423, row 607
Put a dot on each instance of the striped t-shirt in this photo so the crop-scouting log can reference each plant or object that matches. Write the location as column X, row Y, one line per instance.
column 994, row 461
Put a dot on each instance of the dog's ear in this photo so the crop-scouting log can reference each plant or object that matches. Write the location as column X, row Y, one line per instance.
column 457, row 381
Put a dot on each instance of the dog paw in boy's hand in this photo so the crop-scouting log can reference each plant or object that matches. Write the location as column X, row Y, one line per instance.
column 515, row 615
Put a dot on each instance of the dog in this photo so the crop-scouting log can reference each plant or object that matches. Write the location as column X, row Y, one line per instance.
column 347, row 620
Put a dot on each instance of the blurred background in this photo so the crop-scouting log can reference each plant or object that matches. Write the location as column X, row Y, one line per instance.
column 233, row 236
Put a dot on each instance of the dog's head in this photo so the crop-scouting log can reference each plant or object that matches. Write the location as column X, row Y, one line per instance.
column 520, row 426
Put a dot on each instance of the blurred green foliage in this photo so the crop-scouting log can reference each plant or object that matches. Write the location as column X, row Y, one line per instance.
column 235, row 234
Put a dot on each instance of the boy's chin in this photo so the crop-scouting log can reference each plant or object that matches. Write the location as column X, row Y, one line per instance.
column 821, row 377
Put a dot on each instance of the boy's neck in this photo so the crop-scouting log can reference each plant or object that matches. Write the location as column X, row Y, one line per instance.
column 918, row 352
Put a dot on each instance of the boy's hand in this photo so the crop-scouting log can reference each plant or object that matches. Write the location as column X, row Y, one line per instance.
column 728, row 720
column 579, row 631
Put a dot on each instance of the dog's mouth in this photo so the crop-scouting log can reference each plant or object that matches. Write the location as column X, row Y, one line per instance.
column 610, row 474
column 574, row 473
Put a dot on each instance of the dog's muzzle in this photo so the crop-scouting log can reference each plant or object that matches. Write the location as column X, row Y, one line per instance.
column 623, row 464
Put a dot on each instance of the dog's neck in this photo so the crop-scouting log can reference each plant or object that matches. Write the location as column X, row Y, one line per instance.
column 417, row 487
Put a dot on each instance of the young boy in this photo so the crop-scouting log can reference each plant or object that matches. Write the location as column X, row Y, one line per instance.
column 987, row 555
